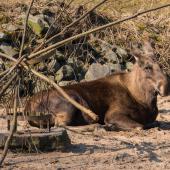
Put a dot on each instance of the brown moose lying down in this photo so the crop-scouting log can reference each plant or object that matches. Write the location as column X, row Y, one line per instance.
column 126, row 100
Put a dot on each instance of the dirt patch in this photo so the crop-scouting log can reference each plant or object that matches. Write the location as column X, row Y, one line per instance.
column 146, row 149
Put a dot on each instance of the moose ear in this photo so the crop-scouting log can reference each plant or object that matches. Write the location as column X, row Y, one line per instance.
column 147, row 48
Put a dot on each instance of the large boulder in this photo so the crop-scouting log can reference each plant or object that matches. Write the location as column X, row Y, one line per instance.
column 96, row 71
column 66, row 72
column 8, row 49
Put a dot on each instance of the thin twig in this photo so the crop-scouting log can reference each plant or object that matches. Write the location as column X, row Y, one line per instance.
column 66, row 41
column 68, row 26
column 25, row 29
column 12, row 130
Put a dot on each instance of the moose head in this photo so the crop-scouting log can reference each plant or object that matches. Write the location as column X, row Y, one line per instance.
column 150, row 76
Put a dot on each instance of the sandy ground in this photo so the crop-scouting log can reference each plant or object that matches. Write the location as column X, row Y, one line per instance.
column 145, row 149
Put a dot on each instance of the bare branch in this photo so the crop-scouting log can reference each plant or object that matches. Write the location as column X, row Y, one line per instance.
column 7, row 84
column 25, row 29
column 12, row 130
column 59, row 89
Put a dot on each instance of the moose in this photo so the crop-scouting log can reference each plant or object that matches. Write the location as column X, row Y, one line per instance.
column 126, row 100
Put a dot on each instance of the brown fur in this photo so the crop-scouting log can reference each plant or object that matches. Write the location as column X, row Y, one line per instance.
column 126, row 100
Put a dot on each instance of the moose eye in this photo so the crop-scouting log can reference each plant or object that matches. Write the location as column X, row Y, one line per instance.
column 148, row 68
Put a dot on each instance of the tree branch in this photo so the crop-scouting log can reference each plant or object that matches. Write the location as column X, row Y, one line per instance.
column 12, row 130
column 58, row 88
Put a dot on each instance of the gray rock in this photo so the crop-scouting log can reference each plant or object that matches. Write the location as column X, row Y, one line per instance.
column 111, row 56
column 42, row 67
column 53, row 65
column 8, row 49
column 108, row 53
column 59, row 56
column 129, row 65
column 37, row 24
column 65, row 83
column 122, row 53
column 114, row 67
column 66, row 72
column 12, row 28
column 97, row 71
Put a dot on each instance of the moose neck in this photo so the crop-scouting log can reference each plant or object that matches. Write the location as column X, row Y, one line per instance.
column 139, row 89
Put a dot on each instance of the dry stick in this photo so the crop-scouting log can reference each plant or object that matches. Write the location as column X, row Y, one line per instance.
column 65, row 95
column 49, row 29
column 22, row 43
column 25, row 28
column 13, row 67
column 4, row 88
column 3, row 73
column 59, row 89
column 12, row 130
column 70, row 25
column 61, row 43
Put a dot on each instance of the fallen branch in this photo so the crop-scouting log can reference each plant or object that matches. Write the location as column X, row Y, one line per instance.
column 58, row 88
column 4, row 88
column 12, row 130
column 66, row 41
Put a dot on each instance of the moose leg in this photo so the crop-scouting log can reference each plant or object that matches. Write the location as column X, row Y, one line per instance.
column 121, row 122
column 151, row 125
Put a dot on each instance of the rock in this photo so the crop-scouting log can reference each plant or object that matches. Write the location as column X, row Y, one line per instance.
column 66, row 72
column 47, row 11
column 114, row 67
column 42, row 67
column 65, row 83
column 122, row 53
column 111, row 56
column 53, row 66
column 3, row 37
column 97, row 71
column 129, row 65
column 34, row 11
column 37, row 24
column 108, row 53
column 21, row 7
column 8, row 49
column 59, row 56
column 12, row 28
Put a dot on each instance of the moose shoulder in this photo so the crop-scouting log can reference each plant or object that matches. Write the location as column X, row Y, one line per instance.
column 126, row 100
